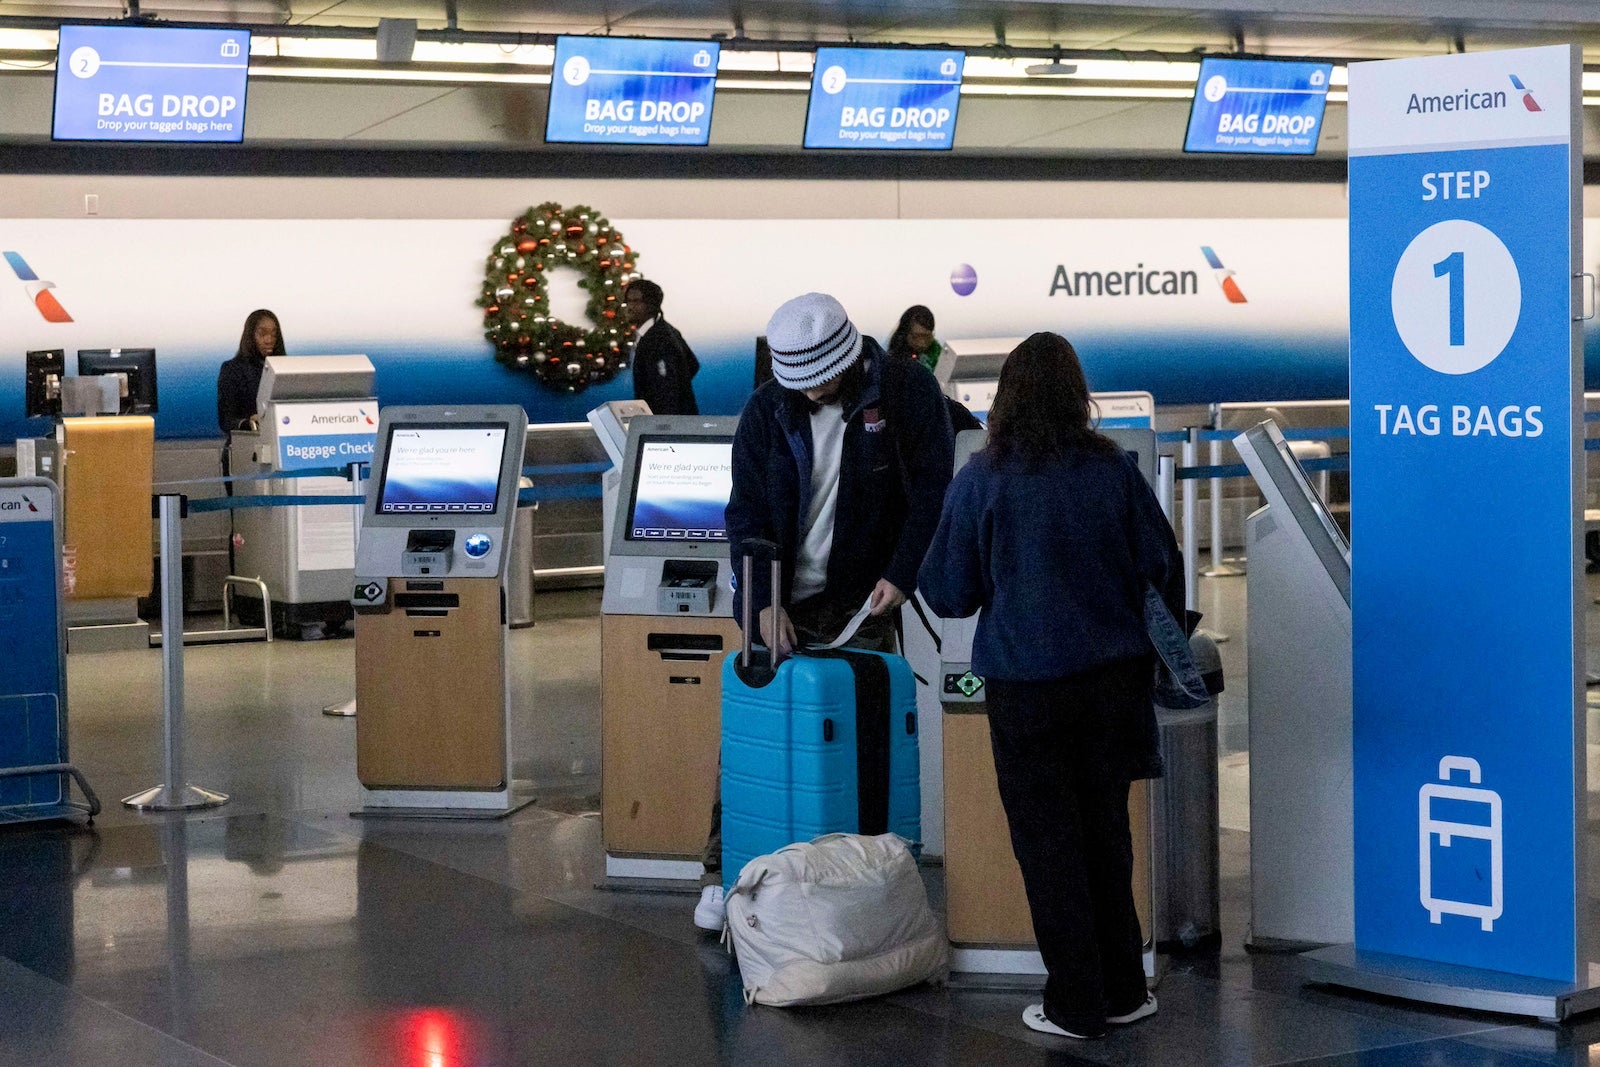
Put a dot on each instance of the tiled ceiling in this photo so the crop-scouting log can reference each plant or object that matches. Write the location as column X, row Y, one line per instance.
column 1335, row 28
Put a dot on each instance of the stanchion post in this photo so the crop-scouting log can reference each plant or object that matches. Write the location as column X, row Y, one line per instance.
column 1165, row 467
column 1191, row 504
column 1218, row 569
column 347, row 709
column 174, row 793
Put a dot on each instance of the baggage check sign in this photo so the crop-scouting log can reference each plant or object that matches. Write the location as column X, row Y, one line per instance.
column 1465, row 374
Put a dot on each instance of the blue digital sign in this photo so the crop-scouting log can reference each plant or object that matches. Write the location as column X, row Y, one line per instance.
column 150, row 83
column 884, row 98
column 1260, row 106
column 607, row 90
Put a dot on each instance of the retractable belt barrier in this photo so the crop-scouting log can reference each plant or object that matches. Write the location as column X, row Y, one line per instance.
column 534, row 495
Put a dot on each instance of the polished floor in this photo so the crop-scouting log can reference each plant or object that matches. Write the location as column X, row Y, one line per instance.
column 277, row 930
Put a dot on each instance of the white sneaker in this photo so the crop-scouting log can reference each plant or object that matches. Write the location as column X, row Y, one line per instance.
column 1035, row 1019
column 1143, row 1011
column 711, row 913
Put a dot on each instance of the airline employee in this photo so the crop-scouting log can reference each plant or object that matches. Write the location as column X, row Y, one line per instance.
column 240, row 377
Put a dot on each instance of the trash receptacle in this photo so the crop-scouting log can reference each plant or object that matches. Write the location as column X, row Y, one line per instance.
column 1184, row 810
column 519, row 576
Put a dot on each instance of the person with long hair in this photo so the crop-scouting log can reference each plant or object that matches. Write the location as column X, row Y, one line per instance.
column 1054, row 534
column 913, row 337
column 240, row 377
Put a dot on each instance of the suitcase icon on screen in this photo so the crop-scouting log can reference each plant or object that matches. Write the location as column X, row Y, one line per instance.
column 1455, row 817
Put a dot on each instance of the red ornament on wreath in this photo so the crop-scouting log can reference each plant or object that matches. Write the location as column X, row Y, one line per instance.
column 523, row 332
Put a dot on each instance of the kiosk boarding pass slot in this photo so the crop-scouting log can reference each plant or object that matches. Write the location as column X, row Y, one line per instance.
column 688, row 586
column 428, row 552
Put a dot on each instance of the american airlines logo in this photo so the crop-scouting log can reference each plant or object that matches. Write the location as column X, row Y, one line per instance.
column 1143, row 281
column 1471, row 100
column 38, row 290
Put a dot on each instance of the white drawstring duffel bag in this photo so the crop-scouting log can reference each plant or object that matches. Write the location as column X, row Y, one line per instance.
column 840, row 918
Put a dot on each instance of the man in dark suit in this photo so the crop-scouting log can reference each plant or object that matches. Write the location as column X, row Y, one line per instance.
column 663, row 364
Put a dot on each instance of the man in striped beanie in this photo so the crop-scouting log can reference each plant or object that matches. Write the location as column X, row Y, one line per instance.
column 842, row 461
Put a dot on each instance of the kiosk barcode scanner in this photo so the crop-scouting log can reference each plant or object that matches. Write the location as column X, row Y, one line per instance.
column 433, row 736
column 667, row 620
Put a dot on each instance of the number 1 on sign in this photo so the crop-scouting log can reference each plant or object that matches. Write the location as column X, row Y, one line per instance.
column 1455, row 265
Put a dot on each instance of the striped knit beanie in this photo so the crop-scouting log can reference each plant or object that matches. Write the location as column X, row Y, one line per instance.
column 812, row 340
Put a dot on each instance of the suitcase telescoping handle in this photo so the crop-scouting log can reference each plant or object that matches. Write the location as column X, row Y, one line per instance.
column 747, row 580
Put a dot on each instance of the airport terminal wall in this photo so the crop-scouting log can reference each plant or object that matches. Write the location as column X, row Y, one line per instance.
column 391, row 267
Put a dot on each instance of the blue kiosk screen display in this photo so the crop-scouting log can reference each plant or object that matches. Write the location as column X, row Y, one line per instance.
column 145, row 83
column 611, row 91
column 884, row 98
column 681, row 490
column 442, row 469
column 1258, row 106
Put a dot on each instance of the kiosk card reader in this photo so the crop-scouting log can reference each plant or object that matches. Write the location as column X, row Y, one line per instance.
column 1302, row 859
column 433, row 736
column 315, row 412
column 667, row 621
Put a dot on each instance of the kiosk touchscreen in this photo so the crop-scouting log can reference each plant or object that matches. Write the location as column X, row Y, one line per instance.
column 667, row 620
column 434, row 728
column 1302, row 868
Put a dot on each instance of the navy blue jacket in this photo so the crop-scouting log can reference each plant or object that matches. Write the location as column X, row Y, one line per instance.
column 1057, row 556
column 897, row 457
column 664, row 367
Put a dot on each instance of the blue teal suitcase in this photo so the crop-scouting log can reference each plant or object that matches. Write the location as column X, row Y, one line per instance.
column 825, row 743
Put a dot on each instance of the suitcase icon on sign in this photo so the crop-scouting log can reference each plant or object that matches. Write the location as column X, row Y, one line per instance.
column 1460, row 838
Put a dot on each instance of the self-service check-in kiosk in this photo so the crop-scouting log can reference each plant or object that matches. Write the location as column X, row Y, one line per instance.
column 1302, row 866
column 991, row 930
column 969, row 372
column 610, row 421
column 667, row 621
column 433, row 736
column 315, row 412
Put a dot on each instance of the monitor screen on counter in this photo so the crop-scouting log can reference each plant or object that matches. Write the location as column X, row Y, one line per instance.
column 449, row 468
column 884, row 98
column 1258, row 106
column 681, row 489
column 616, row 90
column 150, row 83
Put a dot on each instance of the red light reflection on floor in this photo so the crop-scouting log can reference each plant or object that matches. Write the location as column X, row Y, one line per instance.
column 435, row 1037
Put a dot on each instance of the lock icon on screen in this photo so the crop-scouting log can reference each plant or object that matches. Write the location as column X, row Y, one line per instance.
column 1451, row 817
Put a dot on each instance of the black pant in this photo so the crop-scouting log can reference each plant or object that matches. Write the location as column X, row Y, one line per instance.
column 1065, row 794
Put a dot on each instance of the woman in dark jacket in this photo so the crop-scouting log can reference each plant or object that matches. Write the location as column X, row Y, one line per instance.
column 240, row 377
column 1055, row 535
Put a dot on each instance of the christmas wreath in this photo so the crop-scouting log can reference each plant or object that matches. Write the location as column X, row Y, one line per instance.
column 516, row 301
